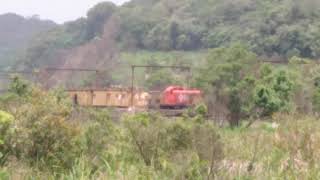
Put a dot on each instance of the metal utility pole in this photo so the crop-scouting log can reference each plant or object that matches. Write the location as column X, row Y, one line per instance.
column 133, row 67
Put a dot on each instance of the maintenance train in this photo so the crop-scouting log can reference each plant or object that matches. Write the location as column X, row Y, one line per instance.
column 173, row 97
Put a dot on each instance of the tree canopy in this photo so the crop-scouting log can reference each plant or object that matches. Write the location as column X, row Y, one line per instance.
column 268, row 27
column 271, row 28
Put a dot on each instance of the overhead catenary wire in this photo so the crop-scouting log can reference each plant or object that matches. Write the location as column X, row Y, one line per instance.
column 39, row 71
column 123, row 65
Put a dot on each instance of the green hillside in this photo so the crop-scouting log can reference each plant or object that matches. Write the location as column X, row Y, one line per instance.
column 272, row 28
column 15, row 33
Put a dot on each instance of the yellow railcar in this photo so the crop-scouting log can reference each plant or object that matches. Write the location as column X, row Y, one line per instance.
column 121, row 98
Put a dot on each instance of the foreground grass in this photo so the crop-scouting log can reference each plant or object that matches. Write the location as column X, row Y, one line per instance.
column 286, row 147
column 288, row 150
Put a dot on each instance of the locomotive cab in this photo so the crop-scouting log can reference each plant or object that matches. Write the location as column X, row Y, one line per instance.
column 176, row 97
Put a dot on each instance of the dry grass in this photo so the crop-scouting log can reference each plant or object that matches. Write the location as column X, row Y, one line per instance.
column 290, row 150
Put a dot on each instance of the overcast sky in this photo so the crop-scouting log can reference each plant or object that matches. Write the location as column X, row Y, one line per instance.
column 56, row 10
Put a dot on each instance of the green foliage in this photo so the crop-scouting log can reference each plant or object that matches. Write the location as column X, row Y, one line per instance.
column 97, row 17
column 19, row 87
column 55, row 141
column 269, row 28
column 43, row 139
column 201, row 110
column 285, row 28
column 234, row 79
column 49, row 142
column 283, row 85
column 4, row 175
column 98, row 134
column 159, row 142
column 41, row 133
column 6, row 120
column 285, row 148
column 227, row 75
column 159, row 79
column 266, row 98
column 274, row 91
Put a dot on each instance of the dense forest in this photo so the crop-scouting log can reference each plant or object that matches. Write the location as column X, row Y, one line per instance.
column 271, row 28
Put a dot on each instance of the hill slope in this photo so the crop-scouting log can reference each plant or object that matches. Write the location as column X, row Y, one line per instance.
column 268, row 27
column 16, row 31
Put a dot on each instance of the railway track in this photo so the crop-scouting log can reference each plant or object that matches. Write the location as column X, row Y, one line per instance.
column 116, row 113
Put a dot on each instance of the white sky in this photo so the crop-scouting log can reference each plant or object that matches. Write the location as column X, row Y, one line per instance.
column 57, row 10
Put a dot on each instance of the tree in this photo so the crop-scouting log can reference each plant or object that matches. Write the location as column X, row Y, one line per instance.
column 158, row 142
column 227, row 77
column 273, row 92
column 19, row 87
column 97, row 17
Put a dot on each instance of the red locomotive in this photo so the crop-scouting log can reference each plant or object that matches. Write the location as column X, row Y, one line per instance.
column 176, row 97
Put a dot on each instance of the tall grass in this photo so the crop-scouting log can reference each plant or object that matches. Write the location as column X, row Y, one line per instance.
column 285, row 147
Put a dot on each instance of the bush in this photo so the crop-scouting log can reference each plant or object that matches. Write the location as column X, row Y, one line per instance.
column 19, row 86
column 41, row 133
column 98, row 134
column 274, row 91
column 159, row 142
column 201, row 110
column 5, row 121
column 267, row 99
column 5, row 126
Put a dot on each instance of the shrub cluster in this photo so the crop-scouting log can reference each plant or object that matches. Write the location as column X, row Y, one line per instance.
column 40, row 132
column 41, row 138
